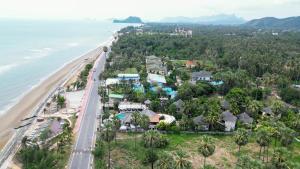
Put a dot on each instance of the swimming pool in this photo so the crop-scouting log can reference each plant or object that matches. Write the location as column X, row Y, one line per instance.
column 120, row 116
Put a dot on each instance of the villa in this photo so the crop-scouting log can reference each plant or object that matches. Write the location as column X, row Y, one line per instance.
column 155, row 65
column 201, row 76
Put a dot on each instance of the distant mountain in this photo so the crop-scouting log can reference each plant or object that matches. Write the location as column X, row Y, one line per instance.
column 275, row 23
column 207, row 20
column 130, row 19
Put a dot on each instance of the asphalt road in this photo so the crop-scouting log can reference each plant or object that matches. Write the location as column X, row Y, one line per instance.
column 82, row 157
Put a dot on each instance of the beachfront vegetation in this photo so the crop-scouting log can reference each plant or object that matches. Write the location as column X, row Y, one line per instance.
column 82, row 78
column 50, row 154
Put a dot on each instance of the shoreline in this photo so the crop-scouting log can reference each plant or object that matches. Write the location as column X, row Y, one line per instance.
column 16, row 100
column 30, row 99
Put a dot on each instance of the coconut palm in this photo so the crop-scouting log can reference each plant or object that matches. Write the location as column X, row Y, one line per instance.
column 280, row 157
column 135, row 120
column 150, row 138
column 254, row 107
column 116, row 125
column 287, row 136
column 180, row 160
column 108, row 135
column 212, row 118
column 241, row 137
column 206, row 148
column 246, row 162
column 263, row 138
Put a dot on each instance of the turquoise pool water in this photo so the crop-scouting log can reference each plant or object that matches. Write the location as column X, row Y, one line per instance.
column 120, row 116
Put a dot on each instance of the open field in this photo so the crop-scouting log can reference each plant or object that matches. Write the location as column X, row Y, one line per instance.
column 124, row 155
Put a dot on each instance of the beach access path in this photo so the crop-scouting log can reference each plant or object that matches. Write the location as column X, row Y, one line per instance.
column 86, row 126
column 31, row 104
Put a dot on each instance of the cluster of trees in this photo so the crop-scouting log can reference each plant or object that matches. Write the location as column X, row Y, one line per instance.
column 242, row 57
column 35, row 156
column 82, row 79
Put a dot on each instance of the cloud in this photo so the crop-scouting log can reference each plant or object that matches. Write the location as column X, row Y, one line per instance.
column 149, row 9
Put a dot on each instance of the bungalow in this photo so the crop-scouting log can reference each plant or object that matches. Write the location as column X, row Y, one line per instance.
column 155, row 78
column 130, row 106
column 245, row 118
column 200, row 123
column 201, row 76
column 179, row 106
column 267, row 111
column 190, row 64
column 129, row 77
column 229, row 120
column 225, row 105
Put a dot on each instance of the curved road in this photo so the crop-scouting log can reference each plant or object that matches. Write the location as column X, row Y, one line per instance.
column 82, row 157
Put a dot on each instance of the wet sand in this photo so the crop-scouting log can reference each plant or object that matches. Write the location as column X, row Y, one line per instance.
column 12, row 118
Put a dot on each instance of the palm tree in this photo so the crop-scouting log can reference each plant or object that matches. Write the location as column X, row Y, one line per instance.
column 108, row 135
column 212, row 118
column 280, row 157
column 206, row 148
column 254, row 107
column 241, row 137
column 150, row 158
column 24, row 141
column 165, row 161
column 136, row 118
column 116, row 125
column 144, row 122
column 105, row 50
column 287, row 136
column 180, row 160
column 263, row 138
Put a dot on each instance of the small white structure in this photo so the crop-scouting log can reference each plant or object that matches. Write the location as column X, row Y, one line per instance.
column 111, row 81
column 130, row 106
column 168, row 119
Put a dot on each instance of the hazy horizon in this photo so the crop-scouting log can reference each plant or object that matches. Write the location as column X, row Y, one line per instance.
column 154, row 10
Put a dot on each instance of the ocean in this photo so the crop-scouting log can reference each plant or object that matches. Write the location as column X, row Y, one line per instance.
column 30, row 51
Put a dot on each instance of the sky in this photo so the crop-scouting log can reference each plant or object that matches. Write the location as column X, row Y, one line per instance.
column 150, row 10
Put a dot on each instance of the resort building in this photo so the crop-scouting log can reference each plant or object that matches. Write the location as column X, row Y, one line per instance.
column 201, row 76
column 135, row 78
column 155, row 65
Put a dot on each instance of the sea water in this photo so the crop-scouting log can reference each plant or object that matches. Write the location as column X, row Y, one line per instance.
column 32, row 50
